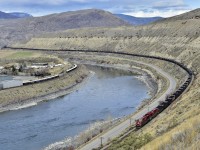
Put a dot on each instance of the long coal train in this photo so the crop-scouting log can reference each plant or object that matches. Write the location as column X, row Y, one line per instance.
column 164, row 104
column 50, row 77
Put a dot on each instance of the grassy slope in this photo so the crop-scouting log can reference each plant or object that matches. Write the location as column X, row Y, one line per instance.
column 9, row 56
column 21, row 94
column 4, row 54
column 177, row 38
column 23, row 29
column 184, row 136
column 177, row 119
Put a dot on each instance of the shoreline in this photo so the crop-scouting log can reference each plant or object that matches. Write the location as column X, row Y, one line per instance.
column 35, row 101
column 67, row 90
column 143, row 77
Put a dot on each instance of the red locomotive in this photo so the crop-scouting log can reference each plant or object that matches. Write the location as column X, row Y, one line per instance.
column 163, row 105
column 147, row 117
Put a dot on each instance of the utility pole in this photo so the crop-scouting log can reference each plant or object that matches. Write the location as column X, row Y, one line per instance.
column 101, row 138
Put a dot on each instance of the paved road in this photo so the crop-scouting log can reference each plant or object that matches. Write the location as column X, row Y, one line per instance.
column 116, row 131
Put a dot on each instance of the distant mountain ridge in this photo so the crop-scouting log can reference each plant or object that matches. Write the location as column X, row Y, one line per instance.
column 20, row 14
column 13, row 15
column 12, row 30
column 136, row 21
column 176, row 38
column 4, row 15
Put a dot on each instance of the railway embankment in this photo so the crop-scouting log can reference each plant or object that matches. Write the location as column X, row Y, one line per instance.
column 176, row 38
column 32, row 92
column 165, row 94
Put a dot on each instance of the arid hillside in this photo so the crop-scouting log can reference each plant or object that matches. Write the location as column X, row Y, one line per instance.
column 23, row 29
column 177, row 38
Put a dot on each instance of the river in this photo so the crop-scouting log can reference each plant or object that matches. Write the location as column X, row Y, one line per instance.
column 109, row 92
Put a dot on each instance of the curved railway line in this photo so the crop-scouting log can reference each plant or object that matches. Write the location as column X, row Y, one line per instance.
column 45, row 79
column 51, row 77
column 163, row 105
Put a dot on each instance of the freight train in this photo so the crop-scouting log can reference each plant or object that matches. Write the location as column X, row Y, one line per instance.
column 164, row 104
column 16, row 83
column 49, row 78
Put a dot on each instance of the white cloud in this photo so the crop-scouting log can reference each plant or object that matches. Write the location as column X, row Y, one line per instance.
column 156, row 13
column 39, row 2
column 141, row 8
column 168, row 3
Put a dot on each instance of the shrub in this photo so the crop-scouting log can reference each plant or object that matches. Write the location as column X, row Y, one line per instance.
column 132, row 142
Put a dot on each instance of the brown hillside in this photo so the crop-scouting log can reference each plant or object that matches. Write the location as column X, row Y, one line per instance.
column 23, row 29
column 177, row 38
column 194, row 14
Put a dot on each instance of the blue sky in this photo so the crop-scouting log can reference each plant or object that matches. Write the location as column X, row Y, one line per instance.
column 139, row 8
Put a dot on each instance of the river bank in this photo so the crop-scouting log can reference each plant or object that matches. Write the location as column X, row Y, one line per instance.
column 70, row 82
column 142, row 74
column 108, row 93
column 92, row 131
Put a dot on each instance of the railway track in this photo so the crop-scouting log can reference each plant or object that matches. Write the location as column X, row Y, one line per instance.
column 25, row 83
column 162, row 106
column 109, row 52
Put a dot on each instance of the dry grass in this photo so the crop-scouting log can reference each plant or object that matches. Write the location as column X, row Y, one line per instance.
column 184, row 136
column 21, row 94
column 177, row 128
column 5, row 54
column 176, row 39
column 11, row 57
